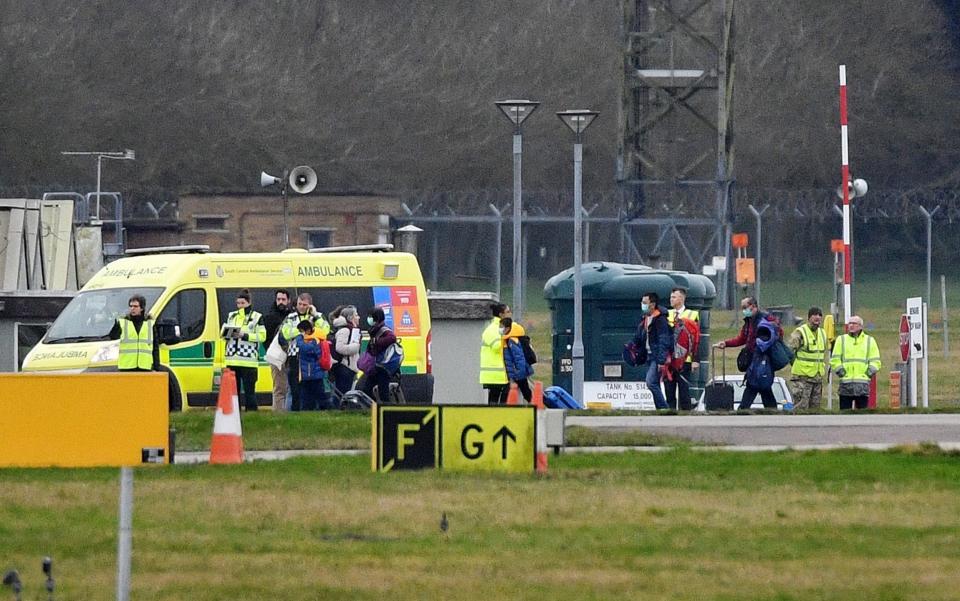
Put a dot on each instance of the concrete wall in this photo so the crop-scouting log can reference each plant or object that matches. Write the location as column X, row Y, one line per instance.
column 458, row 320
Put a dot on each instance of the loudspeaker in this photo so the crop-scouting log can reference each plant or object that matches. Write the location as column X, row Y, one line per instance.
column 268, row 180
column 855, row 189
column 303, row 179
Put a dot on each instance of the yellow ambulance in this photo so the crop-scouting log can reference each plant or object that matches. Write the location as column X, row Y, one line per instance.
column 194, row 289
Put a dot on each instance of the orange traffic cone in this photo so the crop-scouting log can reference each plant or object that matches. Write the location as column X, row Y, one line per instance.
column 513, row 397
column 227, row 443
column 541, row 443
column 538, row 395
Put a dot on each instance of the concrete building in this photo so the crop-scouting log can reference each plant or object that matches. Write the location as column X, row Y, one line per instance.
column 255, row 223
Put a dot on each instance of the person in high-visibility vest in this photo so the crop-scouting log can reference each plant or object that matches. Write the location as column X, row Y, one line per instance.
column 493, row 374
column 855, row 359
column 809, row 344
column 137, row 335
column 242, row 352
column 303, row 310
column 681, row 379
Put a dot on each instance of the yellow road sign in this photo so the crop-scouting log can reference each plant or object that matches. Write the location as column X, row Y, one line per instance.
column 489, row 438
column 83, row 420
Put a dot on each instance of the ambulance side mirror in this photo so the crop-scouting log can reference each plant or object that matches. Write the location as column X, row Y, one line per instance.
column 168, row 331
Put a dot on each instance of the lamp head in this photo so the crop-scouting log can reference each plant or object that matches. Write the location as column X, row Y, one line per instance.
column 517, row 110
column 578, row 120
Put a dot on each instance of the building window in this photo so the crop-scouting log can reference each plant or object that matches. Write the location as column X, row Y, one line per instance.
column 210, row 223
column 316, row 237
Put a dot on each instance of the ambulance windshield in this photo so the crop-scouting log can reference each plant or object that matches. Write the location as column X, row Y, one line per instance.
column 91, row 314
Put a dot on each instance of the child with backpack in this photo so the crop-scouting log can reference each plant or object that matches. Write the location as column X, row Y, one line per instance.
column 514, row 358
column 313, row 353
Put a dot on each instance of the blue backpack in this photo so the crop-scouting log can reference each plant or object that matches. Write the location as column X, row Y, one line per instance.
column 760, row 373
column 556, row 397
column 391, row 358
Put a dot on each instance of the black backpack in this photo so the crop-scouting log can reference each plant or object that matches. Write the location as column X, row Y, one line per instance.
column 528, row 352
column 332, row 339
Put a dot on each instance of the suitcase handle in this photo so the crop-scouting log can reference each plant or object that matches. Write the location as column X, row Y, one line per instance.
column 723, row 354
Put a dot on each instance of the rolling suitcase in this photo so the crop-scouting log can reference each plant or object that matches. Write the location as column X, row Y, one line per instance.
column 718, row 396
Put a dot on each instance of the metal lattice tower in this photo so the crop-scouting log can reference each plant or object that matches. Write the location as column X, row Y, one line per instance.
column 676, row 151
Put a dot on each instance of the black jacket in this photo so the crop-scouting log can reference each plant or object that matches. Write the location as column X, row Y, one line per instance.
column 272, row 321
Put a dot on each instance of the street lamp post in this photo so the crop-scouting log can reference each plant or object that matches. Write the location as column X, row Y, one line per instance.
column 578, row 121
column 516, row 111
column 126, row 155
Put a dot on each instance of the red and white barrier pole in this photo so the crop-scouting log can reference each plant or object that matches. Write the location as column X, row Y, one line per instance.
column 845, row 178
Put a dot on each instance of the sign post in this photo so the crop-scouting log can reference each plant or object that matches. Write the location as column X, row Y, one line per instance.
column 918, row 348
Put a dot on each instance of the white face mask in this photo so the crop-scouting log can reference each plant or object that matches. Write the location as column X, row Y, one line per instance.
column 370, row 321
column 503, row 331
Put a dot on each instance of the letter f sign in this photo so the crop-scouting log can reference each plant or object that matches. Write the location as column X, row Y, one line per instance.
column 405, row 438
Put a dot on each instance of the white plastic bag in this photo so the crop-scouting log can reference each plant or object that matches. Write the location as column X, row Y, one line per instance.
column 275, row 354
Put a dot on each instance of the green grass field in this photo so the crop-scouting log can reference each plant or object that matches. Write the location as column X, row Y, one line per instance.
column 682, row 524
column 677, row 525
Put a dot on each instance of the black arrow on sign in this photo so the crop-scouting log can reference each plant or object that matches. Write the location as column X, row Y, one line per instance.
column 504, row 433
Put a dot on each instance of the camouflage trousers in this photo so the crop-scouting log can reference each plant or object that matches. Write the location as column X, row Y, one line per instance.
column 806, row 392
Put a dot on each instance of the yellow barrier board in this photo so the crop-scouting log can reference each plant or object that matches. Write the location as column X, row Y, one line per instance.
column 83, row 420
column 489, row 438
column 453, row 437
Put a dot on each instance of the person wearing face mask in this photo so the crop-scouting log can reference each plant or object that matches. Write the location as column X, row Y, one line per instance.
column 809, row 344
column 242, row 352
column 752, row 315
column 655, row 341
column 381, row 337
column 271, row 322
column 856, row 360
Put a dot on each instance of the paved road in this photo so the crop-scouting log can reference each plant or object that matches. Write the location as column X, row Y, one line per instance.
column 789, row 430
column 737, row 432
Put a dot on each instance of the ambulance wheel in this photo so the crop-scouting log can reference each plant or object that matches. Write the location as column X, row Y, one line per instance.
column 174, row 396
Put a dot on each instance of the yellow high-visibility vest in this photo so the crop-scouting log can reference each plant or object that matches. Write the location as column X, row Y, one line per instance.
column 810, row 355
column 245, row 353
column 856, row 355
column 492, row 370
column 136, row 348
column 688, row 314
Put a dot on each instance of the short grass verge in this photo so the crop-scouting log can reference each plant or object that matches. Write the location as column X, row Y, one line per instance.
column 846, row 525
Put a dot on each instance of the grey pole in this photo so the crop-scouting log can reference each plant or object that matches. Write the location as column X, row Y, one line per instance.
column 517, row 217
column 943, row 316
column 586, row 233
column 124, row 535
column 499, row 246
column 757, row 215
column 99, row 159
column 525, row 259
column 577, row 350
column 929, row 216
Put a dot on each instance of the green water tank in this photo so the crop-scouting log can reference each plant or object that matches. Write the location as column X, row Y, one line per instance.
column 611, row 311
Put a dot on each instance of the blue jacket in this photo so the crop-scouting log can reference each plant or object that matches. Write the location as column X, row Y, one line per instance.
column 660, row 336
column 515, row 361
column 309, row 352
